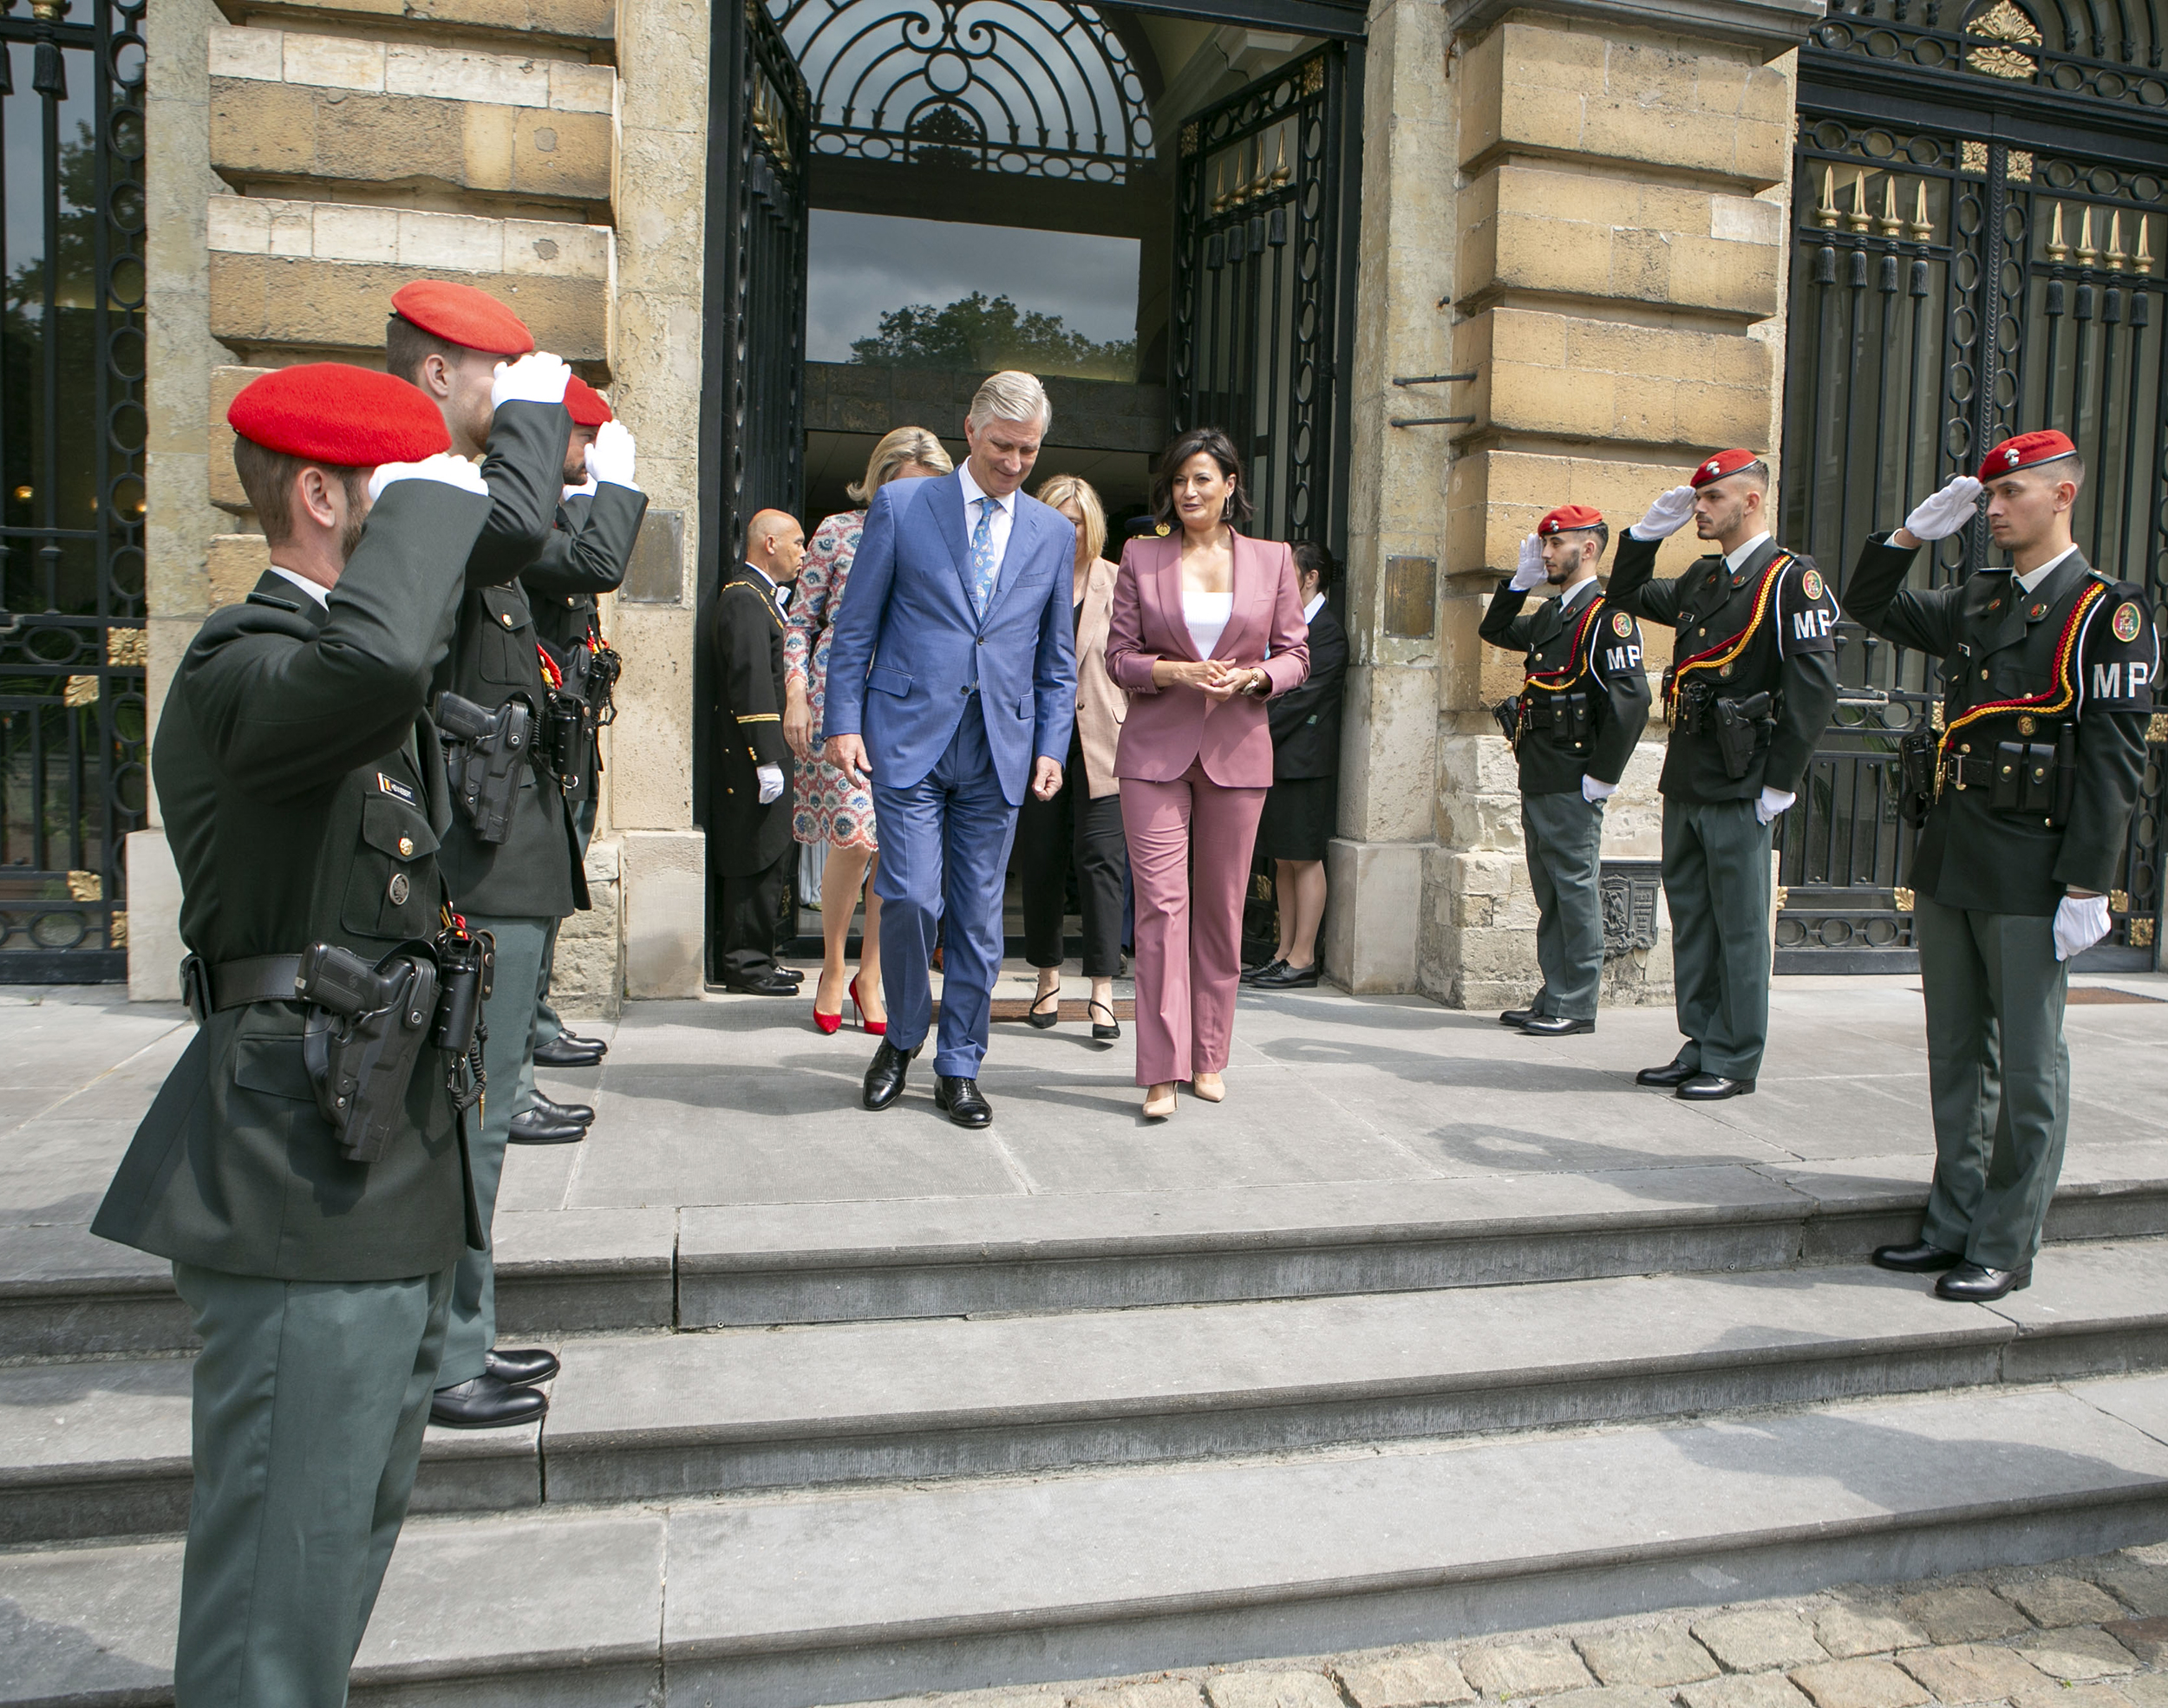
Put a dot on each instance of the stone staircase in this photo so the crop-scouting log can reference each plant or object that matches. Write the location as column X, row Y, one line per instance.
column 828, row 1453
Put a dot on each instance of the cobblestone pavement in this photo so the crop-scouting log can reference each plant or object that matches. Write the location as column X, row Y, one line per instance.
column 2079, row 1633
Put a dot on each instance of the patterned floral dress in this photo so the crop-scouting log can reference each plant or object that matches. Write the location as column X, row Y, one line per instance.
column 826, row 808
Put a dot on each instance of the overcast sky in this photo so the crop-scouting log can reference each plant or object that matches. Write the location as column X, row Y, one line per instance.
column 863, row 263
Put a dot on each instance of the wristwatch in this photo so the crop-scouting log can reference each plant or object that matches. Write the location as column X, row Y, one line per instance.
column 1261, row 688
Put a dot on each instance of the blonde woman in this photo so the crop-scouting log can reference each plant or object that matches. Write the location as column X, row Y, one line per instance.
column 831, row 811
column 1082, row 822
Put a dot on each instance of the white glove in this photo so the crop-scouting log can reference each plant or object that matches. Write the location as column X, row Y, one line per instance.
column 610, row 457
column 584, row 490
column 444, row 466
column 1942, row 514
column 1530, row 573
column 771, row 778
column 536, row 377
column 2081, row 921
column 1665, row 516
column 1772, row 802
column 1592, row 790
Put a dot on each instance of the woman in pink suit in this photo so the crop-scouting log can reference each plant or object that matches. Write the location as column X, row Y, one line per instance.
column 1207, row 626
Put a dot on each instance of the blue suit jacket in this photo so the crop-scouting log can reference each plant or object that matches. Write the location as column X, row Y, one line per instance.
column 907, row 646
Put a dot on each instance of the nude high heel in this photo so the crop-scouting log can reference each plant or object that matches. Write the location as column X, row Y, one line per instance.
column 1160, row 1103
column 1210, row 1088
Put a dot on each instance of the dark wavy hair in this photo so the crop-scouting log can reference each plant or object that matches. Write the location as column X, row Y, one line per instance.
column 1221, row 449
column 1312, row 558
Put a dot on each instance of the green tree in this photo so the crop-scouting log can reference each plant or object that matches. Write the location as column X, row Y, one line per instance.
column 981, row 332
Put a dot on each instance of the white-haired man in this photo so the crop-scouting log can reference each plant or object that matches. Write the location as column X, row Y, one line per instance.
column 951, row 684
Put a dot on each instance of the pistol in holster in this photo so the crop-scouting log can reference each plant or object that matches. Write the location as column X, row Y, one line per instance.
column 364, row 1033
column 1919, row 773
column 1508, row 714
column 485, row 753
column 1739, row 725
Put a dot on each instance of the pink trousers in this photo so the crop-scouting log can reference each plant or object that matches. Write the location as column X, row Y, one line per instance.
column 1189, row 917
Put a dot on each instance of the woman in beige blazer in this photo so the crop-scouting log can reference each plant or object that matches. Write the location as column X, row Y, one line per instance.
column 1081, row 826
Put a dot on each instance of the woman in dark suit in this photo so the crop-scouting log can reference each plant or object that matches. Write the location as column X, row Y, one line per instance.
column 1207, row 624
column 1299, row 812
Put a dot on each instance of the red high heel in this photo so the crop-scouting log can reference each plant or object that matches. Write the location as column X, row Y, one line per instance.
column 878, row 1028
column 829, row 1023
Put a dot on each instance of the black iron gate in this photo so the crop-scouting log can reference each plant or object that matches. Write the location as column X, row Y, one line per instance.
column 72, row 432
column 1263, row 276
column 1968, row 261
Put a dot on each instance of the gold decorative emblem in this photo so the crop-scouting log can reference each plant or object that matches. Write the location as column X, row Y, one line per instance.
column 2003, row 23
column 2026, row 726
column 399, row 890
column 127, row 648
column 80, row 692
column 86, row 886
column 506, row 615
column 1724, row 670
column 1189, row 137
column 406, row 846
column 1902, row 899
column 2119, row 901
column 2157, row 730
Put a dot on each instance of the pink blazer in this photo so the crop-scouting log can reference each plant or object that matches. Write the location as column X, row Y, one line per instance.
column 1168, row 729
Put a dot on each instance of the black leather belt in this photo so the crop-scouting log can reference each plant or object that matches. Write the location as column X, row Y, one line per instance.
column 1967, row 773
column 209, row 989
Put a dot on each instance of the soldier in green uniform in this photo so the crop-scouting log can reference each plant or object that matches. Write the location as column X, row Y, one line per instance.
column 1583, row 705
column 1752, row 684
column 297, row 767
column 597, row 523
column 515, row 871
column 2023, row 792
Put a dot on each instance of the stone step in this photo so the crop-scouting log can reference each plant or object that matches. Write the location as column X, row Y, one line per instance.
column 786, row 1601
column 100, row 1447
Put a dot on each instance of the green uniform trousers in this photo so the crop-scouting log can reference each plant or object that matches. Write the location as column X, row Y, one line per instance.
column 1564, row 834
column 508, row 1058
column 1716, row 885
column 1999, row 1075
column 547, row 1026
column 309, row 1402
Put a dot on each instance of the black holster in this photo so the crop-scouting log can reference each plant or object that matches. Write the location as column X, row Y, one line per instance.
column 485, row 753
column 1919, row 760
column 1508, row 714
column 364, row 1033
column 1738, row 725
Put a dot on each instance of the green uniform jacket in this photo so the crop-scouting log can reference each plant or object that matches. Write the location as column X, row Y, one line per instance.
column 584, row 556
column 1792, row 654
column 287, row 762
column 742, row 635
column 534, row 873
column 1995, row 643
column 1611, row 671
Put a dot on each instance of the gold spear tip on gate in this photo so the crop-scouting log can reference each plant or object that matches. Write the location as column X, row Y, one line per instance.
column 1921, row 228
column 2057, row 249
column 2087, row 252
column 2116, row 258
column 1281, row 171
column 1858, row 218
column 1889, row 225
column 1825, row 215
column 2143, row 261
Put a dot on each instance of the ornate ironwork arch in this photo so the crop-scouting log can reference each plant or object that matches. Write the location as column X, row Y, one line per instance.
column 1030, row 87
column 2110, row 50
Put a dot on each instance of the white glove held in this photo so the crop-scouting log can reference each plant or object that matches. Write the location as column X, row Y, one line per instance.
column 1942, row 514
column 2081, row 921
column 1530, row 573
column 1667, row 515
column 1772, row 802
column 444, row 466
column 771, row 778
column 610, row 457
column 536, row 377
column 1591, row 789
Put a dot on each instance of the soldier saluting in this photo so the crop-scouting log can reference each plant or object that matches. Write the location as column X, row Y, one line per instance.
column 303, row 1166
column 2023, row 790
column 1752, row 684
column 1582, row 706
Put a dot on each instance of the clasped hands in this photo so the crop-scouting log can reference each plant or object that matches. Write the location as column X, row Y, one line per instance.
column 1220, row 679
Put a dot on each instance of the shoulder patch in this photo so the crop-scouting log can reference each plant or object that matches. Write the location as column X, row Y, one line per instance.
column 1622, row 623
column 1811, row 584
column 2127, row 620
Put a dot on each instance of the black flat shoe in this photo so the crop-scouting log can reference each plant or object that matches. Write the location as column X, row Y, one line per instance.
column 517, row 1369
column 966, row 1105
column 562, row 1111
column 767, row 984
column 1671, row 1074
column 1288, row 978
column 1252, row 974
column 532, row 1126
column 1976, row 1284
column 1712, row 1088
column 1518, row 1017
column 1108, row 1031
column 1044, row 1019
column 485, row 1403
column 567, row 1050
column 1917, row 1260
column 885, row 1078
column 1554, row 1025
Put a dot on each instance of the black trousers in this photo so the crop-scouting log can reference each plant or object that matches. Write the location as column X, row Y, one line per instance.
column 747, row 910
column 1051, row 835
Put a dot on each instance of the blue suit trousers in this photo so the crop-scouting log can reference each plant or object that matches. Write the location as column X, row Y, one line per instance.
column 944, row 851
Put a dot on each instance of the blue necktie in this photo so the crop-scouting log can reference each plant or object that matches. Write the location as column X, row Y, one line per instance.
column 982, row 558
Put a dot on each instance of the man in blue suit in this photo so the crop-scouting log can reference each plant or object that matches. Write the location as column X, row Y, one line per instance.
column 952, row 679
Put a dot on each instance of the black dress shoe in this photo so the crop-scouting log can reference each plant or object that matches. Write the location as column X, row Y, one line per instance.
column 1976, row 1284
column 1672, row 1073
column 567, row 1050
column 1518, row 1017
column 486, row 1402
column 1916, row 1260
column 1554, row 1025
column 561, row 1112
column 532, row 1126
column 1252, row 974
column 885, row 1078
column 763, row 984
column 1712, row 1088
column 1288, row 978
column 517, row 1369
column 966, row 1104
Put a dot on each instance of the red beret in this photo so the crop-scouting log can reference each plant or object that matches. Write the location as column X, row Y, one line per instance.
column 459, row 313
column 1569, row 517
column 2024, row 451
column 588, row 407
column 328, row 411
column 1722, row 464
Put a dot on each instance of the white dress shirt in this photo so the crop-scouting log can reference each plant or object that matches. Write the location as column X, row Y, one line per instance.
column 1316, row 604
column 321, row 595
column 1734, row 559
column 1578, row 594
column 2032, row 578
column 1004, row 519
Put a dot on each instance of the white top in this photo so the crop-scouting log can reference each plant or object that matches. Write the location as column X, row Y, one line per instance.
column 321, row 595
column 1316, row 604
column 2033, row 578
column 1206, row 616
column 1734, row 559
column 1004, row 518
